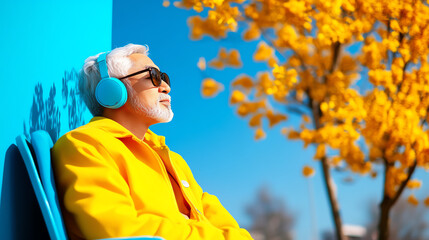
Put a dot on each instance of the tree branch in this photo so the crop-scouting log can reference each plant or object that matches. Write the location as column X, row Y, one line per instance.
column 404, row 183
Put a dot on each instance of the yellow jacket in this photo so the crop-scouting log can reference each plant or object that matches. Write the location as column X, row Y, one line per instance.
column 112, row 184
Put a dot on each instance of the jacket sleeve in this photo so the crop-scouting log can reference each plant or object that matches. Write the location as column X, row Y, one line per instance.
column 212, row 208
column 219, row 216
column 97, row 198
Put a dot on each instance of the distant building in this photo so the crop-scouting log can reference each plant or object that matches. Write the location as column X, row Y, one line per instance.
column 353, row 232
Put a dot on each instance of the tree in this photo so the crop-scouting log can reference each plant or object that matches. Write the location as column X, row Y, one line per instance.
column 270, row 220
column 407, row 221
column 356, row 71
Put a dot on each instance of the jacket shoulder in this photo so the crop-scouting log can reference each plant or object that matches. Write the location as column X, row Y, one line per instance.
column 86, row 134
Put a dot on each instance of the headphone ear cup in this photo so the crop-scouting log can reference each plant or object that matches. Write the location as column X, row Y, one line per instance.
column 111, row 93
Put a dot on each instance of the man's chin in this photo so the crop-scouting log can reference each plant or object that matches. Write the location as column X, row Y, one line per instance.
column 161, row 118
column 168, row 119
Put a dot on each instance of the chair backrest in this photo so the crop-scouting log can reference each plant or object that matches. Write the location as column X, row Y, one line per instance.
column 42, row 180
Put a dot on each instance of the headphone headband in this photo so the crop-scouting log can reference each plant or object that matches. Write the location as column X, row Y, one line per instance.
column 102, row 65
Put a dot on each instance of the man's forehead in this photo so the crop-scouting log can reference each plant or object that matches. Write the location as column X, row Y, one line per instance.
column 141, row 61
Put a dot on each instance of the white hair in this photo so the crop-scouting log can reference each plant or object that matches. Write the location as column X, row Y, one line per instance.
column 118, row 65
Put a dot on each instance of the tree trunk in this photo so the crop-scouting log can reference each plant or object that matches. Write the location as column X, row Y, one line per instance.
column 329, row 182
column 335, row 209
column 383, row 225
column 388, row 201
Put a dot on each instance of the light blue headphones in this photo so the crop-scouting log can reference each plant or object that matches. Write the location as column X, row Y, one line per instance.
column 110, row 92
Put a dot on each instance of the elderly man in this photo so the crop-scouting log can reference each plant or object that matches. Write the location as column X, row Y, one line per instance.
column 117, row 178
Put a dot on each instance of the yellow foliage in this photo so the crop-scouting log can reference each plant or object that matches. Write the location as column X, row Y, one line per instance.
column 259, row 134
column 246, row 108
column 256, row 120
column 293, row 135
column 414, row 184
column 243, row 81
column 263, row 52
column 413, row 200
column 326, row 46
column 166, row 3
column 200, row 27
column 275, row 119
column 224, row 59
column 335, row 161
column 426, row 202
column 237, row 97
column 320, row 152
column 308, row 171
column 210, row 87
column 252, row 33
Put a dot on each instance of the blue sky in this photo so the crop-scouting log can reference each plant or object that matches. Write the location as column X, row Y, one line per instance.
column 216, row 143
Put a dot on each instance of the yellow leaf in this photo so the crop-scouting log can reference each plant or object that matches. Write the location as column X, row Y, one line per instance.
column 237, row 97
column 306, row 118
column 263, row 52
column 294, row 61
column 259, row 134
column 324, row 107
column 252, row 33
column 201, row 63
column 244, row 81
column 320, row 151
column 284, row 131
column 256, row 120
column 178, row 4
column 335, row 161
column 395, row 25
column 275, row 118
column 210, row 87
column 272, row 62
column 414, row 184
column 413, row 200
column 426, row 202
column 233, row 59
column 166, row 3
column 308, row 171
column 224, row 59
column 293, row 135
column 208, row 26
column 215, row 63
column 222, row 53
column 198, row 7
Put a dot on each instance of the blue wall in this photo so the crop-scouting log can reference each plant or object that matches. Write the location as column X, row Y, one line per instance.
column 43, row 44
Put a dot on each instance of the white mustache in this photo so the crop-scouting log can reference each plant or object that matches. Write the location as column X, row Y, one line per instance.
column 164, row 97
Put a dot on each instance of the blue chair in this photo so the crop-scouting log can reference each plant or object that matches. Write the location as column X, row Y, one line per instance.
column 42, row 180
column 42, row 144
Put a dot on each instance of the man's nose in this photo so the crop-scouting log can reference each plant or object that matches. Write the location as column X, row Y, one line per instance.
column 164, row 88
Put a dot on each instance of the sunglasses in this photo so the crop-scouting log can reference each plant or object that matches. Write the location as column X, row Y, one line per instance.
column 155, row 76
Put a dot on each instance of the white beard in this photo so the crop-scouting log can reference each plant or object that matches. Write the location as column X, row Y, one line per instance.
column 158, row 113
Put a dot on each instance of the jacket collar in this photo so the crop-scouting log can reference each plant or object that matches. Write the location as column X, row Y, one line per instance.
column 119, row 131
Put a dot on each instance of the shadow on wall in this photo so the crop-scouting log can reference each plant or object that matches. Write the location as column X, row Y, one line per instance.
column 20, row 215
column 72, row 101
column 45, row 114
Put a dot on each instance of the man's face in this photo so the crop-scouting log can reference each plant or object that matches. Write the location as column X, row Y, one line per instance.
column 146, row 99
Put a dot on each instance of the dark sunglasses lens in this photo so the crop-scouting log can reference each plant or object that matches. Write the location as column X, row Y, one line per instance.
column 156, row 77
column 166, row 79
